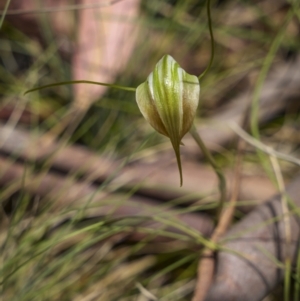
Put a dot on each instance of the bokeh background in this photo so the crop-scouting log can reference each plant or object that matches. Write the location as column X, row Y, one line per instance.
column 91, row 207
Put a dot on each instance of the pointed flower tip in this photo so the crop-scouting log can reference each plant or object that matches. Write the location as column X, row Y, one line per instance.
column 178, row 159
column 181, row 180
column 168, row 100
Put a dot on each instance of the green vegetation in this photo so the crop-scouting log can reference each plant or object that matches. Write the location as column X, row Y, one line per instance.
column 100, row 223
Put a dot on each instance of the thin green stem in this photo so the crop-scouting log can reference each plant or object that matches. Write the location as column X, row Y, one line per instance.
column 212, row 162
column 212, row 40
column 81, row 82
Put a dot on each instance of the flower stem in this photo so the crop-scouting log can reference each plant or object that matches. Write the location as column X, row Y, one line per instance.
column 216, row 168
column 212, row 40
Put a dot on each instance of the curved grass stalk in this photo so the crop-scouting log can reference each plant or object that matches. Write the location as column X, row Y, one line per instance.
column 72, row 82
column 212, row 41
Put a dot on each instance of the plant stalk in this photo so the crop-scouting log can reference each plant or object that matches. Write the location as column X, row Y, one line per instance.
column 214, row 165
column 212, row 40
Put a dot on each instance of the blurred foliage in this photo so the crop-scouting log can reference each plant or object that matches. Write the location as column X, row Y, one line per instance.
column 54, row 255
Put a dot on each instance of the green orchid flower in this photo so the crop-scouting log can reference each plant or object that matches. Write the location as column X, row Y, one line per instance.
column 168, row 100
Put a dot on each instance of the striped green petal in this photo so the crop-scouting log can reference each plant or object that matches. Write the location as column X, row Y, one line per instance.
column 168, row 100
